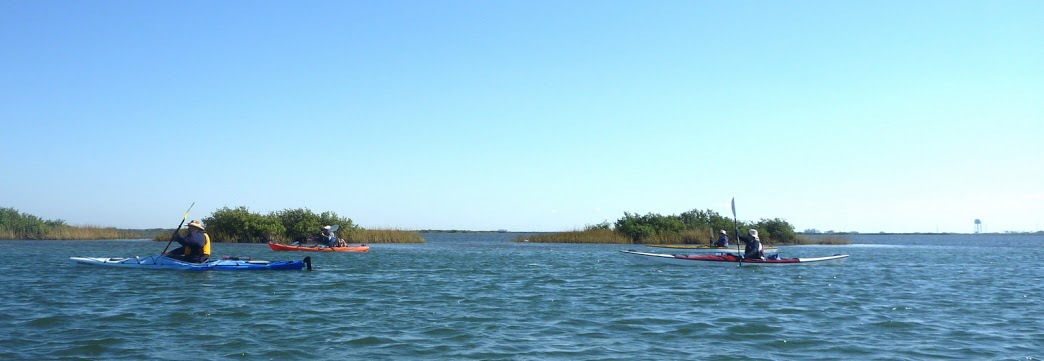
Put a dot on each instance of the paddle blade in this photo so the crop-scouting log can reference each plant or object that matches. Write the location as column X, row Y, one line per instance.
column 733, row 207
column 187, row 211
column 335, row 227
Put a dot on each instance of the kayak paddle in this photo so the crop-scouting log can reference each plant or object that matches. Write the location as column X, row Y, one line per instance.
column 333, row 229
column 177, row 229
column 736, row 223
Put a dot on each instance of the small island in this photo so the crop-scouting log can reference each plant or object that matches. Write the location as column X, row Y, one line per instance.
column 694, row 227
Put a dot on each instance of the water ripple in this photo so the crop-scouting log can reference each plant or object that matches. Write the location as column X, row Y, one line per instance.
column 492, row 300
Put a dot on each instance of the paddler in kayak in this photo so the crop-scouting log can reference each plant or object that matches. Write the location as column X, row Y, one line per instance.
column 322, row 239
column 753, row 250
column 326, row 237
column 329, row 239
column 195, row 246
column 723, row 240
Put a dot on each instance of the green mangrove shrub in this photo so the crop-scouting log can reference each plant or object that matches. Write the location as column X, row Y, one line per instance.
column 690, row 227
column 18, row 225
column 242, row 226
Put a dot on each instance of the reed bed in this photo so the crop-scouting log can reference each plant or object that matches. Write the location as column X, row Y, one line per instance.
column 578, row 236
column 90, row 232
column 75, row 233
column 691, row 236
column 822, row 239
column 364, row 235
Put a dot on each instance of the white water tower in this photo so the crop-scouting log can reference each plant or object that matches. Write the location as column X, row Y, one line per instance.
column 978, row 226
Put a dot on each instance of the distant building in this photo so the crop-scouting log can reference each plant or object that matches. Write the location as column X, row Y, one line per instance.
column 978, row 226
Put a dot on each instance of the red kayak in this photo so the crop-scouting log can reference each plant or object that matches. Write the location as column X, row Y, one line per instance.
column 728, row 259
column 287, row 247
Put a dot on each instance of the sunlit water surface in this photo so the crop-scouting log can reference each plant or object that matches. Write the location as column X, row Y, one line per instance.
column 482, row 297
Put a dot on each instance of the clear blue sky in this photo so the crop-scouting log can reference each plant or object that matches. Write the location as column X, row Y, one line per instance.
column 896, row 116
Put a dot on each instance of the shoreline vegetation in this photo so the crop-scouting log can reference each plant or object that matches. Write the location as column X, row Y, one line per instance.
column 18, row 225
column 239, row 225
column 606, row 236
column 225, row 225
column 360, row 235
column 694, row 227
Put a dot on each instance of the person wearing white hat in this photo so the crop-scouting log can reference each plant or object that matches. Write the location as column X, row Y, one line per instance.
column 753, row 250
column 327, row 238
column 195, row 246
column 723, row 239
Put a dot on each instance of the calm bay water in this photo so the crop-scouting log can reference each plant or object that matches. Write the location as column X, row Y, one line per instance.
column 482, row 297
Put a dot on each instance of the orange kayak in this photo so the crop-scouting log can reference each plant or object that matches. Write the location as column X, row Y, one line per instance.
column 287, row 247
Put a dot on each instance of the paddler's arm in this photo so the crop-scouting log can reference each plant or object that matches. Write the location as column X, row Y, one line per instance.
column 196, row 239
column 178, row 237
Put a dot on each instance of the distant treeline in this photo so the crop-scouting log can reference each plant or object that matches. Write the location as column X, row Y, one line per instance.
column 691, row 227
column 237, row 225
column 240, row 225
column 18, row 225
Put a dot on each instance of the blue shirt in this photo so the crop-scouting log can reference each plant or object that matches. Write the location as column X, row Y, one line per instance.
column 331, row 239
column 195, row 239
column 723, row 241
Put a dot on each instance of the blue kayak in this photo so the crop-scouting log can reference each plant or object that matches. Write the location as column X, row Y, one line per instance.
column 225, row 264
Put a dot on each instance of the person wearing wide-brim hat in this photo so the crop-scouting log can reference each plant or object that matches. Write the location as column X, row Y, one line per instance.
column 753, row 250
column 723, row 239
column 195, row 245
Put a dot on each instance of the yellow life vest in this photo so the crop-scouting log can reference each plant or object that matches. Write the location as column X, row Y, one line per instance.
column 206, row 246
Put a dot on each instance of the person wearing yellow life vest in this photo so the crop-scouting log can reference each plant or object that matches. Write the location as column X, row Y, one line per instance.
column 195, row 246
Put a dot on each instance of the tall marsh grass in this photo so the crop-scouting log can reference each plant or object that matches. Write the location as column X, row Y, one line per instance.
column 18, row 225
column 75, row 233
column 822, row 239
column 691, row 236
column 578, row 236
column 90, row 232
column 369, row 235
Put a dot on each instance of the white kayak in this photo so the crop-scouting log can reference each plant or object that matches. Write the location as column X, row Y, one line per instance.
column 727, row 259
column 224, row 264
